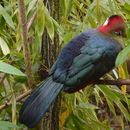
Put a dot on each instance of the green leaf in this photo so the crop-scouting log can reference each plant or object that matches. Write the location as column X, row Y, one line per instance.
column 49, row 24
column 121, row 58
column 4, row 128
column 7, row 18
column 7, row 68
column 123, row 110
column 127, row 6
column 113, row 97
column 68, row 7
column 111, row 6
column 40, row 19
column 59, row 30
column 111, row 106
column 63, row 6
column 7, row 124
column 31, row 5
column 4, row 47
column 88, row 106
column 79, row 125
column 92, row 22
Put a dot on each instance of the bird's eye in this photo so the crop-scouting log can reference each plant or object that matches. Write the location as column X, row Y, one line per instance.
column 118, row 33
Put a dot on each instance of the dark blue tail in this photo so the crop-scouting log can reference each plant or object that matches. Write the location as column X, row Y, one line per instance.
column 39, row 102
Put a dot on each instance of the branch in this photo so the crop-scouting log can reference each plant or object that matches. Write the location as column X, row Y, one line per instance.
column 118, row 82
column 26, row 49
column 17, row 99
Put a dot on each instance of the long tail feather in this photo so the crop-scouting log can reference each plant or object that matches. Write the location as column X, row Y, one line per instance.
column 38, row 102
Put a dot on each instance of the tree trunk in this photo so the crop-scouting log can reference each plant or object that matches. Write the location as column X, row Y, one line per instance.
column 49, row 54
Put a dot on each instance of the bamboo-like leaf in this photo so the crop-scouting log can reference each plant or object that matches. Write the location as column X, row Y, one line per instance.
column 78, row 124
column 58, row 27
column 124, row 110
column 31, row 5
column 40, row 20
column 92, row 22
column 68, row 7
column 7, row 18
column 63, row 6
column 59, row 30
column 63, row 116
column 121, row 58
column 88, row 106
column 97, row 8
column 7, row 124
column 7, row 68
column 113, row 97
column 49, row 24
column 127, row 6
column 122, row 75
column 4, row 47
column 111, row 6
column 97, row 96
column 111, row 106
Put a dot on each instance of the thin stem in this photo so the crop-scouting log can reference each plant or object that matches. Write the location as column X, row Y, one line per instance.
column 19, row 98
column 26, row 49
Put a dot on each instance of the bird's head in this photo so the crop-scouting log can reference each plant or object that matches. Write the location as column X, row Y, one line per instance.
column 114, row 26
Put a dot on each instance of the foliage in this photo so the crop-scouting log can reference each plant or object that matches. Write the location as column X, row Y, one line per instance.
column 97, row 107
column 5, row 125
column 7, row 68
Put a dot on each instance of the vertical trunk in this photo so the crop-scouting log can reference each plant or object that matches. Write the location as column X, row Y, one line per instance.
column 49, row 52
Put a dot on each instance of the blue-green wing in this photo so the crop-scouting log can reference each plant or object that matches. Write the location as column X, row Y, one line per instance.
column 94, row 58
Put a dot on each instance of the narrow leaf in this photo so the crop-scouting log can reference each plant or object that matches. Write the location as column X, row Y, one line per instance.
column 49, row 24
column 4, row 47
column 31, row 5
column 123, row 76
column 63, row 6
column 59, row 28
column 7, row 68
column 113, row 97
column 121, row 58
column 69, row 7
column 7, row 124
column 7, row 18
column 40, row 18
column 88, row 106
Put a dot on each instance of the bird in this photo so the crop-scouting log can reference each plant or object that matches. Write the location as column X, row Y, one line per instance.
column 85, row 59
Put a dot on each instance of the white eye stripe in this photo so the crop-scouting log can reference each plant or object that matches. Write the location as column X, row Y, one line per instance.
column 106, row 22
